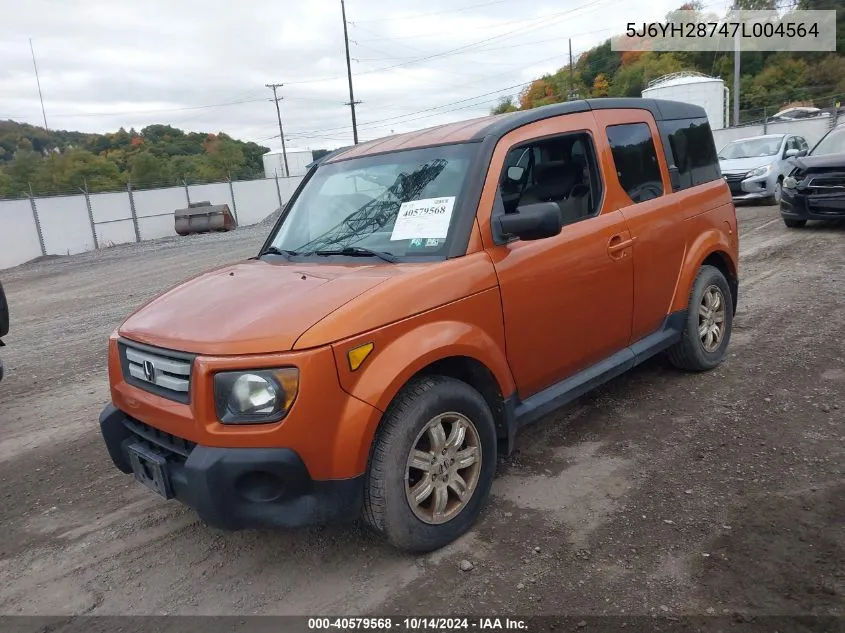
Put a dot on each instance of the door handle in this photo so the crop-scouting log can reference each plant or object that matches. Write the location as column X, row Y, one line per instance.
column 618, row 243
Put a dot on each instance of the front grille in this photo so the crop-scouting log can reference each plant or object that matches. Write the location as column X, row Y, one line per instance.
column 827, row 184
column 734, row 183
column 166, row 373
column 174, row 447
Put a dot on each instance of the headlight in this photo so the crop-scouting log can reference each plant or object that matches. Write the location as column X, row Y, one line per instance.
column 760, row 171
column 255, row 397
column 790, row 183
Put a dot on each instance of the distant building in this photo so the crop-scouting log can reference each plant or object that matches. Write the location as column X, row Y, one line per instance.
column 298, row 161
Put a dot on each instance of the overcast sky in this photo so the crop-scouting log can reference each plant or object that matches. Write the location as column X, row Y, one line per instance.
column 202, row 64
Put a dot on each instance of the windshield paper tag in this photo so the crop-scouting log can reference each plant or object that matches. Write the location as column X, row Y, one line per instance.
column 426, row 219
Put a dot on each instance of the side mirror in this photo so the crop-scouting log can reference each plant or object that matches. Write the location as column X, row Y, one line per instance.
column 790, row 153
column 532, row 221
column 515, row 173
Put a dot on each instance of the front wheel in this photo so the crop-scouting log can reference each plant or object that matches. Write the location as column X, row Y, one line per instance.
column 432, row 464
column 707, row 330
column 794, row 224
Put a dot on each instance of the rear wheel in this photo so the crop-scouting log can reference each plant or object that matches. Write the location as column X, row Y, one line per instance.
column 707, row 330
column 432, row 464
column 794, row 224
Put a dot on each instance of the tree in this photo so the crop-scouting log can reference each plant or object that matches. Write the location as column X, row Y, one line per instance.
column 186, row 167
column 540, row 92
column 224, row 157
column 23, row 169
column 601, row 86
column 598, row 60
column 6, row 185
column 147, row 170
column 505, row 104
column 756, row 5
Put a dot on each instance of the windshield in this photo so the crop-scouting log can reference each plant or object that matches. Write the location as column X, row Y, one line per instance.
column 833, row 143
column 399, row 203
column 751, row 148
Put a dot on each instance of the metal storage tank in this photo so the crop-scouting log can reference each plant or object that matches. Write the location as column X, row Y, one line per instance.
column 691, row 87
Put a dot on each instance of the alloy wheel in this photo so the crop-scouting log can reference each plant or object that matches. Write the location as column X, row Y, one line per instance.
column 711, row 319
column 443, row 468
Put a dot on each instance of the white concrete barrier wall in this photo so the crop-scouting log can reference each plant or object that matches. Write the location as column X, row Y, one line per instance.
column 811, row 129
column 67, row 228
column 65, row 225
column 256, row 199
column 115, row 233
column 158, row 201
column 215, row 193
column 155, row 208
column 108, row 207
column 112, row 218
column 18, row 235
column 156, row 226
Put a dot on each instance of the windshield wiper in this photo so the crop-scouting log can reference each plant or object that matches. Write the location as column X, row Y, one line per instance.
column 272, row 250
column 359, row 251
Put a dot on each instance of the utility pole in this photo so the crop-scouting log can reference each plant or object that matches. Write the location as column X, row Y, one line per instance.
column 38, row 81
column 276, row 100
column 352, row 101
column 736, row 72
column 571, row 72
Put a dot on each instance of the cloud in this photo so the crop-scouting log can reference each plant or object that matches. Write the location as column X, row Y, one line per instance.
column 202, row 64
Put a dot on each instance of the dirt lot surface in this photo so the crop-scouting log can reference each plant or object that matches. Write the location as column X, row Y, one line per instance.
column 661, row 493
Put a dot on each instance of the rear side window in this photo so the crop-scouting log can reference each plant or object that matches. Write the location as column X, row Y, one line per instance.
column 690, row 147
column 635, row 160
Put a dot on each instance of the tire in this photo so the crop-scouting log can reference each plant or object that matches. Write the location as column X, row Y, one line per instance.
column 390, row 476
column 775, row 198
column 794, row 224
column 692, row 352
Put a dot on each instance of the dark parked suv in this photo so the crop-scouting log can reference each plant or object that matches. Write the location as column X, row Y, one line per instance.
column 815, row 187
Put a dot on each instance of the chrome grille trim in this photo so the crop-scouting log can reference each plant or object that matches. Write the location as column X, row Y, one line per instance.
column 163, row 372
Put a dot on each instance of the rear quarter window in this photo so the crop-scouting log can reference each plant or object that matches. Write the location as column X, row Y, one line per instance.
column 690, row 147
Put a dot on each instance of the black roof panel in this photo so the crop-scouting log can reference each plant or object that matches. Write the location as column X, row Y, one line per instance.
column 661, row 109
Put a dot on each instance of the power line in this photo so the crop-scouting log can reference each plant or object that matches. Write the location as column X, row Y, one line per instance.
column 281, row 132
column 398, row 118
column 540, row 22
column 422, row 15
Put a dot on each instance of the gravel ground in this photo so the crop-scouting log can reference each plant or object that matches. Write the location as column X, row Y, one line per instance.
column 661, row 493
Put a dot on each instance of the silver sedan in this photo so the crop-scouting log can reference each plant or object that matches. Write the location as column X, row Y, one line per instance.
column 755, row 167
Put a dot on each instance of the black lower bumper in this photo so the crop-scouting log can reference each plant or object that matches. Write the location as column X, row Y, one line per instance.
column 804, row 207
column 235, row 488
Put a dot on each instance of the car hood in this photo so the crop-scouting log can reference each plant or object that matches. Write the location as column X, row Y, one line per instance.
column 733, row 165
column 824, row 161
column 250, row 307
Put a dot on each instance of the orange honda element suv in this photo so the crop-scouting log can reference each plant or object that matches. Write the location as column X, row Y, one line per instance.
column 420, row 299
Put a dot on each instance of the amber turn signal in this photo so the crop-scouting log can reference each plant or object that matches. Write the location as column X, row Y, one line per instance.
column 358, row 355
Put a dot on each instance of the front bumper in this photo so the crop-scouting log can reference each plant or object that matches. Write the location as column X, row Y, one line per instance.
column 756, row 188
column 801, row 206
column 235, row 488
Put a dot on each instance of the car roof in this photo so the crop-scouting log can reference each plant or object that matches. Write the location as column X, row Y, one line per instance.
column 496, row 126
column 761, row 136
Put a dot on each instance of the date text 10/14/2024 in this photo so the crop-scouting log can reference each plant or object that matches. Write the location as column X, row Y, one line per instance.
column 417, row 624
